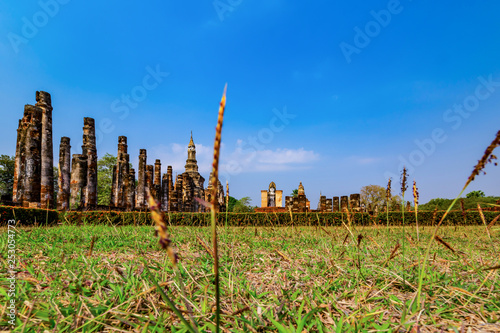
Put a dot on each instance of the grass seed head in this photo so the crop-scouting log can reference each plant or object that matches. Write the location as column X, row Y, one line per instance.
column 388, row 193
column 415, row 195
column 227, row 193
column 404, row 181
column 440, row 240
column 488, row 157
column 218, row 133
column 161, row 228
column 434, row 214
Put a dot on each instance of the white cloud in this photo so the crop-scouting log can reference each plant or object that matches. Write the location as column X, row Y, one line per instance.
column 280, row 159
column 235, row 162
column 175, row 154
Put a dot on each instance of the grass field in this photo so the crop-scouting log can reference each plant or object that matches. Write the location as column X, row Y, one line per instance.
column 272, row 279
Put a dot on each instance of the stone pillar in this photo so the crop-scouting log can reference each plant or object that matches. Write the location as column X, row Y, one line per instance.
column 89, row 150
column 64, row 174
column 157, row 182
column 187, row 193
column 336, row 204
column 78, row 181
column 43, row 101
column 263, row 198
column 170, row 179
column 344, row 203
column 18, row 165
column 165, row 192
column 131, row 190
column 176, row 196
column 149, row 178
column 322, row 203
column 141, row 180
column 355, row 202
column 121, row 175
column 157, row 172
column 279, row 198
column 32, row 172
column 329, row 205
column 125, row 176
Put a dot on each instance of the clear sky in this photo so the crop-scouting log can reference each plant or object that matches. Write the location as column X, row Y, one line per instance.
column 337, row 95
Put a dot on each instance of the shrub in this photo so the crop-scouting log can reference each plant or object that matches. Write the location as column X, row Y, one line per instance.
column 28, row 216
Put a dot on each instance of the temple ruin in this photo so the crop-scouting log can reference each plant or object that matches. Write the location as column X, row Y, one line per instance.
column 64, row 168
column 123, row 182
column 272, row 197
column 33, row 167
column 33, row 184
column 83, row 178
column 220, row 205
column 299, row 203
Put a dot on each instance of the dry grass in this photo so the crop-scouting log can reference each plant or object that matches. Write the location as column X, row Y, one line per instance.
column 269, row 278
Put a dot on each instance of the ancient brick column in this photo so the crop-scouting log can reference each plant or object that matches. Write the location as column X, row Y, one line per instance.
column 149, row 178
column 157, row 182
column 125, row 176
column 141, row 180
column 329, row 205
column 32, row 152
column 322, row 203
column 121, row 175
column 187, row 193
column 176, row 197
column 344, row 203
column 165, row 192
column 90, row 151
column 335, row 204
column 64, row 174
column 170, row 179
column 78, row 180
column 43, row 101
column 18, row 164
column 355, row 202
column 131, row 190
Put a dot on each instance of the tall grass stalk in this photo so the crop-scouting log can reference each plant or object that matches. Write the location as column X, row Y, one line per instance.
column 388, row 196
column 215, row 177
column 166, row 244
column 488, row 157
column 415, row 202
column 404, row 186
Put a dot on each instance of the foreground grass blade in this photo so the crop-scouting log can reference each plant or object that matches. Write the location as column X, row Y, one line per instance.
column 215, row 178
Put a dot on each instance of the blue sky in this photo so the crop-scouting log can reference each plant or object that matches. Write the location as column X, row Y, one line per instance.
column 337, row 95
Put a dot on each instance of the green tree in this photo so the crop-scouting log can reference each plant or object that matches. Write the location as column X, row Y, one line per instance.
column 395, row 203
column 232, row 202
column 6, row 177
column 373, row 196
column 295, row 193
column 243, row 205
column 469, row 203
column 105, row 178
column 475, row 194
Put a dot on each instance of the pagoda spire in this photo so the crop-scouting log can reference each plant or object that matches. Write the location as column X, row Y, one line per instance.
column 191, row 142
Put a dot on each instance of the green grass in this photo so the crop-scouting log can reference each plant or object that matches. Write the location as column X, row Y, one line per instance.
column 271, row 279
